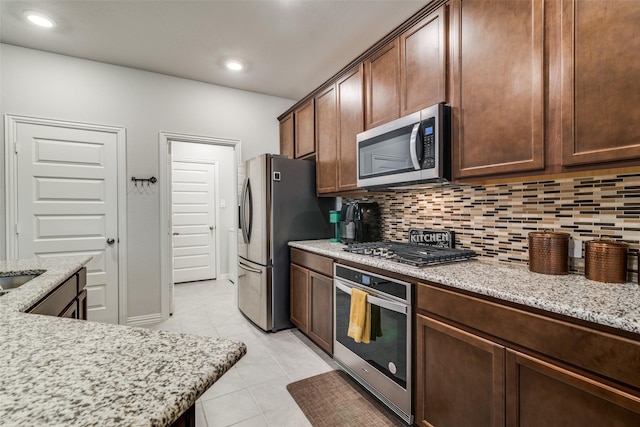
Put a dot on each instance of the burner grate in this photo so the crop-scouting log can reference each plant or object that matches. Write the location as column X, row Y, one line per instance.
column 410, row 254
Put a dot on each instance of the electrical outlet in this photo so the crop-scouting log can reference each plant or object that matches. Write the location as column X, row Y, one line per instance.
column 575, row 248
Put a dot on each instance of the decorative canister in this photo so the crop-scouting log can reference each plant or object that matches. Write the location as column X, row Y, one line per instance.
column 334, row 218
column 549, row 252
column 605, row 261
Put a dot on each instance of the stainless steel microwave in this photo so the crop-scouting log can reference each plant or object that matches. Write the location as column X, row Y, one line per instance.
column 410, row 150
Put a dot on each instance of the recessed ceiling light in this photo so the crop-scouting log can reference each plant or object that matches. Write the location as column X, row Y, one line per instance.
column 234, row 65
column 39, row 19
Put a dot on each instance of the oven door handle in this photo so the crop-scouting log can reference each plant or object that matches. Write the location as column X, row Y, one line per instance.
column 389, row 305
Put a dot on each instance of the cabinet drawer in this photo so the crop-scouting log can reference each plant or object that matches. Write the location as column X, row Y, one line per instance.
column 57, row 301
column 600, row 352
column 312, row 261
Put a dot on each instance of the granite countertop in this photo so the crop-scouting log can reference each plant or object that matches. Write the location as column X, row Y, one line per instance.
column 70, row 372
column 613, row 305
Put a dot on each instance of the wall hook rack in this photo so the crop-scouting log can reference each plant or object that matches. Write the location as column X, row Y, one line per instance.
column 151, row 180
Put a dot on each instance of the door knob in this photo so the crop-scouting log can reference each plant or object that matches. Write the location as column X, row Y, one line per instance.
column 211, row 227
column 176, row 233
column 111, row 241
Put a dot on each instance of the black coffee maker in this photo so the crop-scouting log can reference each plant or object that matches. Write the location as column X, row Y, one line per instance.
column 360, row 222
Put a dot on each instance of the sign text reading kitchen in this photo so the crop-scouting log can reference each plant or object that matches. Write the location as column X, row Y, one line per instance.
column 435, row 238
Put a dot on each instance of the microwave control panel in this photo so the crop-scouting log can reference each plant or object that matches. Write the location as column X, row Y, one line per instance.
column 429, row 144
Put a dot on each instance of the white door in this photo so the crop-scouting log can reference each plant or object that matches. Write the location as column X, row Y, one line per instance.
column 193, row 210
column 67, row 204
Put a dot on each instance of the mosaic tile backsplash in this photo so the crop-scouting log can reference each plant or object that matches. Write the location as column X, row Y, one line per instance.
column 494, row 220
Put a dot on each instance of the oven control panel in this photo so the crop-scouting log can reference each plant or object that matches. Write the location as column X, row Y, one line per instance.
column 386, row 285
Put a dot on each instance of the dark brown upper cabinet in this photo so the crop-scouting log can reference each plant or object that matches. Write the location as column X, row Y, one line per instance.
column 423, row 63
column 339, row 117
column 327, row 143
column 408, row 73
column 382, row 85
column 497, row 60
column 305, row 139
column 287, row 136
column 600, row 86
column 350, row 118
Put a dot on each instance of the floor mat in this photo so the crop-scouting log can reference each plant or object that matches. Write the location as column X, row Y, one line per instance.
column 333, row 399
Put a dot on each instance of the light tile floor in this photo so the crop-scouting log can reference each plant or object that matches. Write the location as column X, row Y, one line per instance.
column 253, row 393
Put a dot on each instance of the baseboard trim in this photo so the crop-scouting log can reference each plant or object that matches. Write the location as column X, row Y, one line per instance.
column 144, row 320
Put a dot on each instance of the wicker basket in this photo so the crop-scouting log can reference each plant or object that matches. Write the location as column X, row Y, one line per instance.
column 549, row 252
column 605, row 261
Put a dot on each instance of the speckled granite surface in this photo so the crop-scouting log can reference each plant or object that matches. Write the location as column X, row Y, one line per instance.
column 55, row 271
column 614, row 305
column 67, row 372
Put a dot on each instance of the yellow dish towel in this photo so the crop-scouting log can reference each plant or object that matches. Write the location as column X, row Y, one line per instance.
column 359, row 317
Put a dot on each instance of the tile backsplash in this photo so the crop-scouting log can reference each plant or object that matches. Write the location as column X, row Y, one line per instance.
column 495, row 219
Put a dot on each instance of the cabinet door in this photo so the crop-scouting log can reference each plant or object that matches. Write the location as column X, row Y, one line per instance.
column 423, row 63
column 71, row 312
column 304, row 121
column 350, row 124
column 600, row 89
column 327, row 144
column 542, row 394
column 321, row 316
column 299, row 307
column 497, row 87
column 382, row 85
column 287, row 136
column 459, row 377
column 82, row 305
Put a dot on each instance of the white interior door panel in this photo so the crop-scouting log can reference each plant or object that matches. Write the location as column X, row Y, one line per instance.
column 67, row 203
column 193, row 220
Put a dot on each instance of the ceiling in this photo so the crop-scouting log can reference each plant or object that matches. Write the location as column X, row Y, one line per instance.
column 290, row 47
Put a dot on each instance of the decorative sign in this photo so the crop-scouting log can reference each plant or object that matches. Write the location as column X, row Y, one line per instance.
column 435, row 238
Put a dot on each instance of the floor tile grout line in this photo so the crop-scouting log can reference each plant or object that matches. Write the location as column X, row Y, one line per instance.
column 291, row 339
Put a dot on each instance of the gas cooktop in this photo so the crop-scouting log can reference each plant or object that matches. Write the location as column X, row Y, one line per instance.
column 407, row 253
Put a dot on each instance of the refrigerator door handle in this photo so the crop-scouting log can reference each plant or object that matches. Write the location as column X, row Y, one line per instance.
column 247, row 201
column 246, row 267
column 241, row 211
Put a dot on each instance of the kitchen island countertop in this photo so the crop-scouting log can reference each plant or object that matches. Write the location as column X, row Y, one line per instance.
column 71, row 372
column 573, row 295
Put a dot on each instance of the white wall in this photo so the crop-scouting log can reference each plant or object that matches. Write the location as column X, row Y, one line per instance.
column 39, row 84
column 227, row 171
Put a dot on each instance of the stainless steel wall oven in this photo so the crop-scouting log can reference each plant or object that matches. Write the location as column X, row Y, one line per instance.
column 383, row 366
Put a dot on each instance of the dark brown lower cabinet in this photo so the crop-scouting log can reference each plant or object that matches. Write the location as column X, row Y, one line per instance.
column 482, row 363
column 311, row 288
column 460, row 377
column 542, row 394
column 69, row 299
column 299, row 288
column 321, row 313
column 187, row 419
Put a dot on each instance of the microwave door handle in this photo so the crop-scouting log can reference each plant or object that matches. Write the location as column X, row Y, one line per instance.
column 413, row 146
column 398, row 308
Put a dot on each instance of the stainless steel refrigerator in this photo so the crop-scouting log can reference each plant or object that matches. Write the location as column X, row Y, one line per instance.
column 278, row 204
